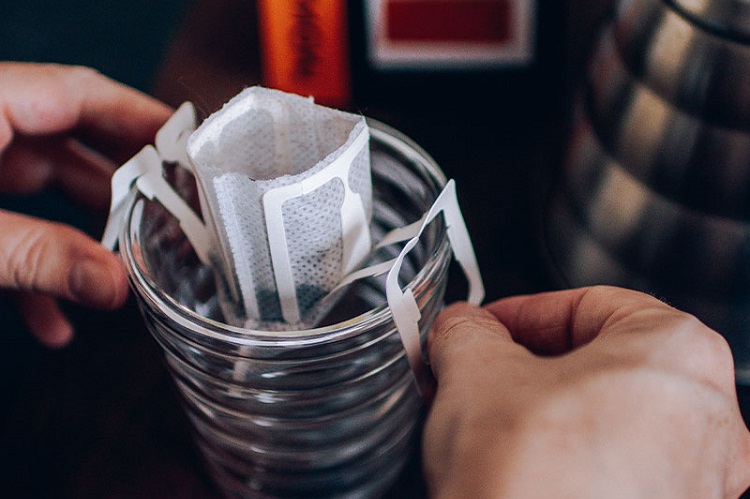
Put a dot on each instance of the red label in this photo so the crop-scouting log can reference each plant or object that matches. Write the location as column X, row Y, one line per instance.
column 477, row 21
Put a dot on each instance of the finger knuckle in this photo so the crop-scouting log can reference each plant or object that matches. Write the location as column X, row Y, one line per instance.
column 459, row 326
column 717, row 350
column 83, row 74
column 709, row 340
column 444, row 333
column 26, row 258
column 711, row 348
column 460, row 335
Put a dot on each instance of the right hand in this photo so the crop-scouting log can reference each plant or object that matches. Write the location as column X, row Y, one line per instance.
column 587, row 393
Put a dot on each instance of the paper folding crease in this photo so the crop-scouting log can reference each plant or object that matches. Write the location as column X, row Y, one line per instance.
column 144, row 171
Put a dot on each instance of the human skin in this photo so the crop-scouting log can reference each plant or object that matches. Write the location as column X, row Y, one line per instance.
column 593, row 392
column 67, row 127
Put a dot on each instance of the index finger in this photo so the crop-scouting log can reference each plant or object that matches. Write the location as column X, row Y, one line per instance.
column 47, row 99
column 556, row 322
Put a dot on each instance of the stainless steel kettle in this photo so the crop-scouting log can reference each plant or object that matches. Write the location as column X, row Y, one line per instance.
column 655, row 189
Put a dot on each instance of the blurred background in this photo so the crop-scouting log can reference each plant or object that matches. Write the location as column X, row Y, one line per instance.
column 100, row 418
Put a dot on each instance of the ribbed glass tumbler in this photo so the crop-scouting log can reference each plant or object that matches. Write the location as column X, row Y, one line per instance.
column 325, row 412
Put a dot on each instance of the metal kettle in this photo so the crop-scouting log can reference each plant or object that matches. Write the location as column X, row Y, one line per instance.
column 655, row 189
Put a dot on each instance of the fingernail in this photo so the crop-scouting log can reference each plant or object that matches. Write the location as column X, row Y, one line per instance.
column 91, row 284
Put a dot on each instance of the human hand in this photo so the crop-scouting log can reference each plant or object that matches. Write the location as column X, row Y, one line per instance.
column 594, row 392
column 68, row 127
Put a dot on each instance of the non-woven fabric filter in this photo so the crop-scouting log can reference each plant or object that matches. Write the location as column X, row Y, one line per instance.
column 286, row 190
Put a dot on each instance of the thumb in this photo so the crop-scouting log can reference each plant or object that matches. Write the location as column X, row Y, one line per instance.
column 466, row 342
column 56, row 260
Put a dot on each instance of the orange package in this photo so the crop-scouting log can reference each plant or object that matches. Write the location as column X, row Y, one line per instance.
column 305, row 48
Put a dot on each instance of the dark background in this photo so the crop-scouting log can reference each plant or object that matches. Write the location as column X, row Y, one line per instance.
column 100, row 419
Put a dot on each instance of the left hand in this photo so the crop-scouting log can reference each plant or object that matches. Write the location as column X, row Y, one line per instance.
column 68, row 127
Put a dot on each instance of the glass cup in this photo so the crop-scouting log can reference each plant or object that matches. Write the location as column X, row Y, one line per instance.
column 326, row 412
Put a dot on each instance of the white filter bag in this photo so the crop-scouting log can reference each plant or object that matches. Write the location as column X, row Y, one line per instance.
column 287, row 185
